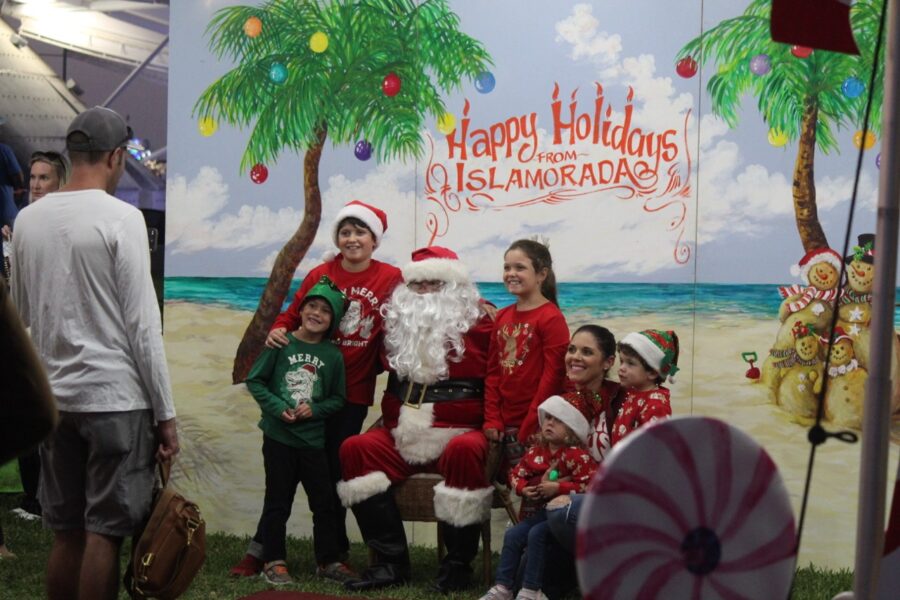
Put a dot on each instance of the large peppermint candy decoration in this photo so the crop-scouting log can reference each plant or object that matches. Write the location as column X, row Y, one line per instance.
column 686, row 508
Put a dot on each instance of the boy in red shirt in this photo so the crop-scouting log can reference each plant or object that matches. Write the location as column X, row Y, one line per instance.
column 368, row 283
column 646, row 359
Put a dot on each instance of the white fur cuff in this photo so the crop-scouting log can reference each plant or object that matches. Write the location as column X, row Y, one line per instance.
column 362, row 488
column 460, row 507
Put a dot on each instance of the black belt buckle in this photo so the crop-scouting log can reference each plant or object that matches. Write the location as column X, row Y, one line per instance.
column 409, row 395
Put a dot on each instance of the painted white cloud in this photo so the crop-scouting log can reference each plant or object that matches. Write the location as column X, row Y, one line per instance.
column 582, row 30
column 197, row 221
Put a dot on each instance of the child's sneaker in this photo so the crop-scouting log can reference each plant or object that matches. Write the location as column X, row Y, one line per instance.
column 337, row 571
column 498, row 592
column 526, row 594
column 248, row 567
column 276, row 573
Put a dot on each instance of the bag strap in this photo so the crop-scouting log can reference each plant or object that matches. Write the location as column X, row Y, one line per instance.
column 165, row 469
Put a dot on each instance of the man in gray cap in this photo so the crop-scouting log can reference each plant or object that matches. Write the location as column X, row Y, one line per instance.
column 81, row 281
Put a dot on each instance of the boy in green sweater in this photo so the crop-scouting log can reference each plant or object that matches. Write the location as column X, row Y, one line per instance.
column 297, row 387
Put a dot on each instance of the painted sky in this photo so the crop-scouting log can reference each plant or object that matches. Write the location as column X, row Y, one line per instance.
column 739, row 227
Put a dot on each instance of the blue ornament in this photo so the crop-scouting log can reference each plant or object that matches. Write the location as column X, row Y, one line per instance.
column 853, row 87
column 363, row 150
column 278, row 73
column 485, row 82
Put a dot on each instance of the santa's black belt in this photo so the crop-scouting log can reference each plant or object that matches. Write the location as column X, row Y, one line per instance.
column 416, row 394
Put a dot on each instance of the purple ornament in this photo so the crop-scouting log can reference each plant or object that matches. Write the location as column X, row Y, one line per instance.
column 878, row 160
column 760, row 64
column 363, row 150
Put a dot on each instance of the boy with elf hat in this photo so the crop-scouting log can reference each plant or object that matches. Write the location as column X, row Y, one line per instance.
column 357, row 231
column 436, row 337
column 646, row 359
column 556, row 465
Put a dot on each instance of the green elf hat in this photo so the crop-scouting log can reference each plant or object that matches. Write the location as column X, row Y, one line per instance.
column 658, row 348
column 326, row 289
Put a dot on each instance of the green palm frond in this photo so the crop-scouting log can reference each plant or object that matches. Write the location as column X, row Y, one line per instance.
column 791, row 83
column 339, row 90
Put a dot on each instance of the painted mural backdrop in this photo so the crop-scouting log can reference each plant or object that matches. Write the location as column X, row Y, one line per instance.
column 687, row 173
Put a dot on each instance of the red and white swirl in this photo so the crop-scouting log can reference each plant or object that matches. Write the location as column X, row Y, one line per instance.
column 688, row 507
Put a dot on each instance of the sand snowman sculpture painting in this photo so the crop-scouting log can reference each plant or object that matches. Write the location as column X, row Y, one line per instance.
column 855, row 303
column 812, row 306
column 801, row 373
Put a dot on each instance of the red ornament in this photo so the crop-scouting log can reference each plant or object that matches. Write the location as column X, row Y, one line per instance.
column 259, row 173
column 391, row 85
column 801, row 51
column 686, row 67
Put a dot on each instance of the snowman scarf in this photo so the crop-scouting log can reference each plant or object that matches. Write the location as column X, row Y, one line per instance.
column 807, row 295
column 851, row 297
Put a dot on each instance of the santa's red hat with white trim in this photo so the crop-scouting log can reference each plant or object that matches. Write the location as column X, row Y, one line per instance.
column 374, row 218
column 814, row 257
column 435, row 263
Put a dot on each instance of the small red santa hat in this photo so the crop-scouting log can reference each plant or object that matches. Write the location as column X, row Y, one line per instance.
column 374, row 218
column 435, row 263
column 839, row 334
column 814, row 257
column 571, row 409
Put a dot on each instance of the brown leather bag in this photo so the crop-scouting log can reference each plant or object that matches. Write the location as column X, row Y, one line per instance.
column 172, row 547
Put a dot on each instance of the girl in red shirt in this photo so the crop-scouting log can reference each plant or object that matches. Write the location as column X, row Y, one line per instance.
column 368, row 284
column 525, row 358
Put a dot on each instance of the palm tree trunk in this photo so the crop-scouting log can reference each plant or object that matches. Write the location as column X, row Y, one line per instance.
column 286, row 262
column 804, row 188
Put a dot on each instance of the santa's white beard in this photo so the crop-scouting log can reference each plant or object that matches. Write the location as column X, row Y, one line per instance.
column 424, row 331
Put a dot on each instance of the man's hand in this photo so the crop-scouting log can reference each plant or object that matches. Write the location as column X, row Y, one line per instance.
column 6, row 231
column 277, row 338
column 493, row 435
column 167, row 434
column 490, row 310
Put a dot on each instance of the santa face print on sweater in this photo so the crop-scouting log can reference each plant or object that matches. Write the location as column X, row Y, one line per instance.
column 355, row 322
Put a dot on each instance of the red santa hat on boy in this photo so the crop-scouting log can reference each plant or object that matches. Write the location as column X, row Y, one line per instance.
column 435, row 263
column 571, row 409
column 814, row 257
column 374, row 218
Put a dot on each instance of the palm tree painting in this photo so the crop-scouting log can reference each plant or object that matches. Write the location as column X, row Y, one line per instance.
column 804, row 96
column 365, row 72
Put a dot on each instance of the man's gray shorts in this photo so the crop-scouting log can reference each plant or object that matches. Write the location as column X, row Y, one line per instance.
column 97, row 472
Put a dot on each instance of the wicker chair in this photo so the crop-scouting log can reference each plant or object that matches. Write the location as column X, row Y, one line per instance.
column 415, row 499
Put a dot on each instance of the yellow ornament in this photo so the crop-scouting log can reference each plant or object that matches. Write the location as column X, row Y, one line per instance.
column 858, row 139
column 207, row 126
column 252, row 27
column 318, row 42
column 446, row 123
column 777, row 137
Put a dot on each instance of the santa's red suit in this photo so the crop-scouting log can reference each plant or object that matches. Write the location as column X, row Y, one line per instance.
column 436, row 341
column 438, row 437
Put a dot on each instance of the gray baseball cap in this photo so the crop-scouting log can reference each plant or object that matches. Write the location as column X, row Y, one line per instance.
column 104, row 129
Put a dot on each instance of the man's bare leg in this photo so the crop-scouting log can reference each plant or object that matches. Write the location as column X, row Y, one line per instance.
column 100, row 567
column 64, row 565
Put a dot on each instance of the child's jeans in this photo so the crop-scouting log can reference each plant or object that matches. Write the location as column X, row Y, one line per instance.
column 530, row 535
column 285, row 468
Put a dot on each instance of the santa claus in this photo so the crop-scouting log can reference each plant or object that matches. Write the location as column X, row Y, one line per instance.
column 436, row 342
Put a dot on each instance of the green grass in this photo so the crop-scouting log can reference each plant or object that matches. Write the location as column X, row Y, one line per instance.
column 23, row 578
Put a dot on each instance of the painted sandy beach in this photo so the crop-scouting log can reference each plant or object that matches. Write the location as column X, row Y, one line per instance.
column 221, row 462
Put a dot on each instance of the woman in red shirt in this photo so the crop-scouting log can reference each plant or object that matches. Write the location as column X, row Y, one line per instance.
column 525, row 359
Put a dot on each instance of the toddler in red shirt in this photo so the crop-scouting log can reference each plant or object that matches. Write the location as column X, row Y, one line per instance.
column 557, row 464
column 646, row 359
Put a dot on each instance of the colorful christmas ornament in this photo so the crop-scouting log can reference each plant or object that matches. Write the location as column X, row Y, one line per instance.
column 252, row 27
column 207, row 126
column 318, row 42
column 686, row 67
column 801, row 51
column 777, row 137
column 553, row 475
column 853, row 87
column 391, row 85
column 760, row 64
column 878, row 160
column 363, row 150
column 869, row 141
column 278, row 73
column 259, row 173
column 446, row 123
column 485, row 82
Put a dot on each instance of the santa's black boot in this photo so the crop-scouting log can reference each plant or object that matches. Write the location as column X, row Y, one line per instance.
column 455, row 573
column 382, row 528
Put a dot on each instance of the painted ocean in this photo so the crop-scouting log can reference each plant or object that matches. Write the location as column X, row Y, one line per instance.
column 598, row 300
